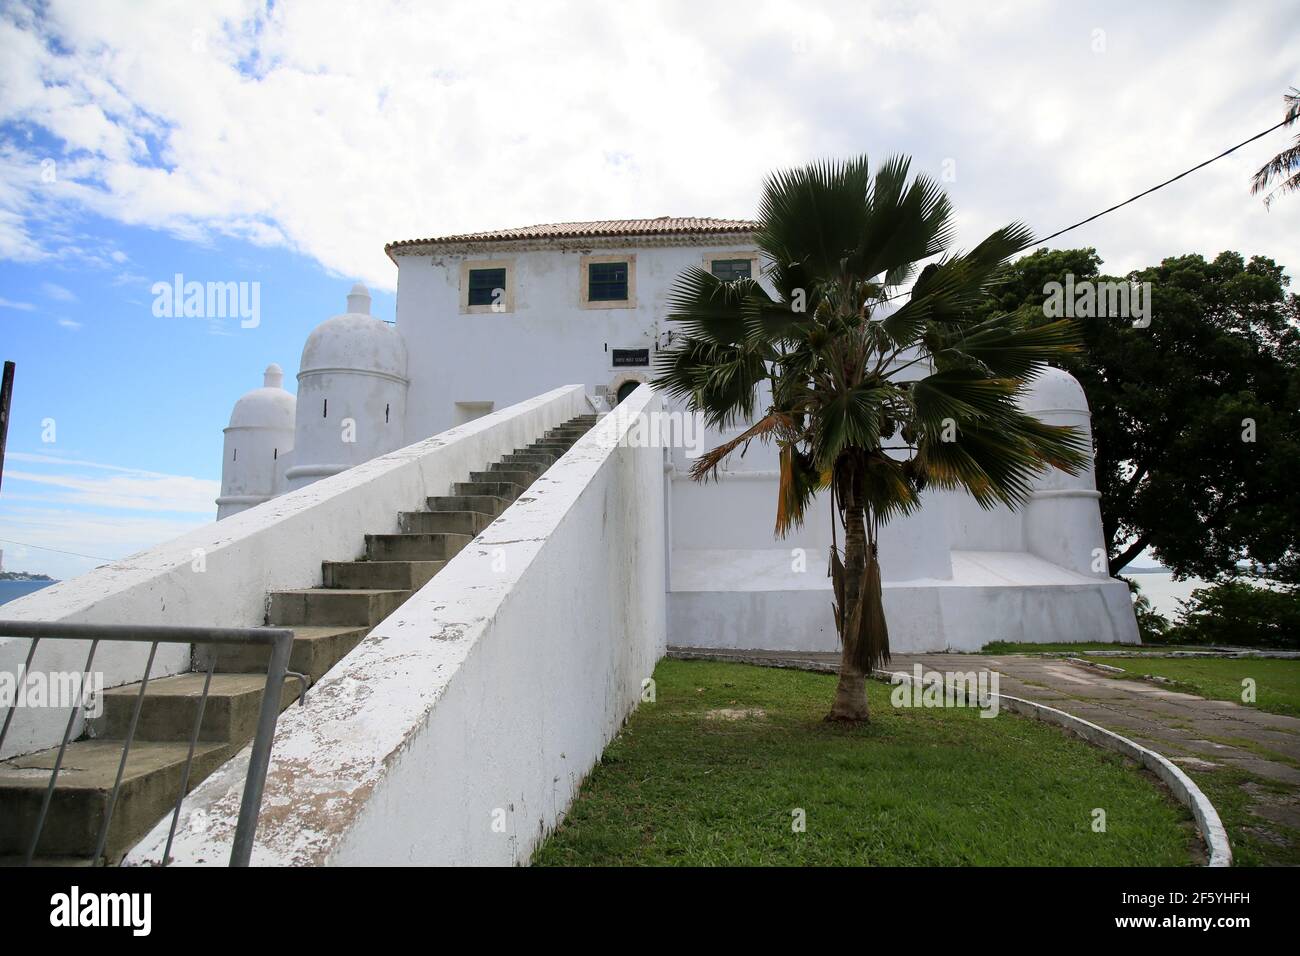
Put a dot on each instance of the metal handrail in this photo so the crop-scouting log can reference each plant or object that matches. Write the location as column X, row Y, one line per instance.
column 278, row 639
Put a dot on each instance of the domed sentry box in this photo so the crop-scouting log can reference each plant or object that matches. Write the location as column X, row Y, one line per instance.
column 260, row 435
column 351, row 393
column 1063, row 515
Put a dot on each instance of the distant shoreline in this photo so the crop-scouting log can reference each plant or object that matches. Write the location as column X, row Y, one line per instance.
column 25, row 576
column 13, row 588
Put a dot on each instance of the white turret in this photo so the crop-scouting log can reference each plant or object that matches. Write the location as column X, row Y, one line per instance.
column 1063, row 516
column 351, row 393
column 260, row 434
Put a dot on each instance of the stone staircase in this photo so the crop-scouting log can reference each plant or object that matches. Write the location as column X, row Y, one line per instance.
column 327, row 621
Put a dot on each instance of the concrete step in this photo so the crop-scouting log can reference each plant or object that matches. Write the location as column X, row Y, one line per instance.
column 521, row 478
column 435, row 546
column 530, row 468
column 540, row 458
column 457, row 522
column 149, row 788
column 495, row 488
column 171, row 704
column 59, row 861
column 382, row 575
column 335, row 607
column 327, row 622
column 483, row 504
column 314, row 651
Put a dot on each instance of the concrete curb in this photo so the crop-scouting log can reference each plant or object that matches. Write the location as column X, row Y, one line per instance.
column 1120, row 672
column 1144, row 651
column 1183, row 788
column 1106, row 668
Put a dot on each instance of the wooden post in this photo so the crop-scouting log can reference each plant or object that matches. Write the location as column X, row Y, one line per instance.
column 6, row 396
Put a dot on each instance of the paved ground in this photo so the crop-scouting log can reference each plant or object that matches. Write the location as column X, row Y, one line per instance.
column 1200, row 735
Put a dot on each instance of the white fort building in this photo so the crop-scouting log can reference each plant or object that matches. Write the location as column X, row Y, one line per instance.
column 488, row 320
column 464, row 542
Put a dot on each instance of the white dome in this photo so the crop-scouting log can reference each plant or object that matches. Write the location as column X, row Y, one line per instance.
column 356, row 341
column 267, row 407
column 1054, row 390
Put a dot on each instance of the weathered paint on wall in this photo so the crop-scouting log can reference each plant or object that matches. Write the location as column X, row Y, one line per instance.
column 485, row 699
column 220, row 574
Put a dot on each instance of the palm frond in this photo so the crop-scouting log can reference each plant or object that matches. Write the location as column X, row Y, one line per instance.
column 812, row 215
column 850, row 417
column 1286, row 164
column 960, row 395
column 798, row 483
column 997, row 461
column 1005, row 347
column 720, row 381
column 706, row 466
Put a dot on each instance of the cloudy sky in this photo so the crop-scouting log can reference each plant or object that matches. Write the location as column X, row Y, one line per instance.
column 285, row 143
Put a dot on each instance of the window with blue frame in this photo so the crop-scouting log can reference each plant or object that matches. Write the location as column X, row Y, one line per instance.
column 730, row 269
column 483, row 285
column 607, row 282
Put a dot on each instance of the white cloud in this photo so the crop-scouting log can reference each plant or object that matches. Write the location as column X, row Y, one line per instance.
column 284, row 128
column 83, row 484
column 66, row 542
column 69, row 324
column 64, row 515
column 20, row 306
column 57, row 292
column 35, row 458
column 193, row 495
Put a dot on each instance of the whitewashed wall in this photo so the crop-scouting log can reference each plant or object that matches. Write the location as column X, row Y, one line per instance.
column 547, row 337
column 276, row 545
column 485, row 698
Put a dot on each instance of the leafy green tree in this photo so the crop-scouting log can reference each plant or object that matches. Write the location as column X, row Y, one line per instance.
column 1195, row 418
column 1153, row 627
column 1240, row 614
column 875, row 394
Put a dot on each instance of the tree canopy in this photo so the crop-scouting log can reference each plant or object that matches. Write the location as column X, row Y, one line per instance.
column 1196, row 417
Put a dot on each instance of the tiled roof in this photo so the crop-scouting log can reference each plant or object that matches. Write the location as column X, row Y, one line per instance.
column 606, row 228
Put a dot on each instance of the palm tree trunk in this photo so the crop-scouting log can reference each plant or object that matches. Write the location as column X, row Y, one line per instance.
column 851, row 692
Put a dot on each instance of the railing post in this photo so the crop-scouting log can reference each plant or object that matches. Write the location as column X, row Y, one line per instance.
column 242, row 850
column 279, row 640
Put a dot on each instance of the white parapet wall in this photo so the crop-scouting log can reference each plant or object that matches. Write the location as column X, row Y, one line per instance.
column 781, row 599
column 220, row 574
column 459, row 730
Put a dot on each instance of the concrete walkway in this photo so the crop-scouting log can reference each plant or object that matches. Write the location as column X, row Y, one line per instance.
column 1197, row 734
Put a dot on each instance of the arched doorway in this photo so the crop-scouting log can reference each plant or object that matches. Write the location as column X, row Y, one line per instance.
column 626, row 389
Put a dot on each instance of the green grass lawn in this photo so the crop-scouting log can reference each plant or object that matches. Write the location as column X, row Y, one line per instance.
column 712, row 772
column 1277, row 682
column 1255, row 841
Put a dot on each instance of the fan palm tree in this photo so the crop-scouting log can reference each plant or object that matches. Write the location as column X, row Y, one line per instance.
column 871, row 399
column 1285, row 166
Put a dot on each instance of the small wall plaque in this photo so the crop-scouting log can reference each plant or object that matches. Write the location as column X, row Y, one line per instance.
column 631, row 358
